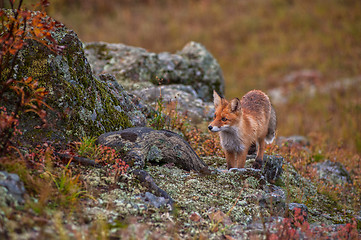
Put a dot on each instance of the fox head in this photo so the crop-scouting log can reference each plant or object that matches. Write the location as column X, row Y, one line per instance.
column 226, row 113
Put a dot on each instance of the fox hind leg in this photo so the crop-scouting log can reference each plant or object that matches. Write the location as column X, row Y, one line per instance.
column 259, row 158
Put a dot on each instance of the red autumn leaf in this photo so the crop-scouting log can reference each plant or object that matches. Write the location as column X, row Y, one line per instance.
column 195, row 217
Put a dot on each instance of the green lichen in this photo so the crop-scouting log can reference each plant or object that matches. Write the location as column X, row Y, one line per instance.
column 154, row 154
column 252, row 182
column 7, row 199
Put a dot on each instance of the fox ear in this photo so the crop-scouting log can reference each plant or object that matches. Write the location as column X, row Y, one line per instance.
column 216, row 99
column 235, row 104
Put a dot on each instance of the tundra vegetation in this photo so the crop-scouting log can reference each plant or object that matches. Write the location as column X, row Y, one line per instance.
column 259, row 44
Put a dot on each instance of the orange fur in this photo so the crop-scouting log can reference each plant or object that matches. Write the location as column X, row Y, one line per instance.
column 241, row 123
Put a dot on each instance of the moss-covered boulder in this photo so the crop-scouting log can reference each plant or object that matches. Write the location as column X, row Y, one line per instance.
column 137, row 68
column 82, row 103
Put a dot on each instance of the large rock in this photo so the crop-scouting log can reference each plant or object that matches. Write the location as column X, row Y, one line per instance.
column 145, row 145
column 83, row 104
column 333, row 172
column 137, row 68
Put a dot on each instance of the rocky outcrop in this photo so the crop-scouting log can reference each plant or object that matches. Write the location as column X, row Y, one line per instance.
column 82, row 103
column 307, row 83
column 143, row 146
column 187, row 77
column 193, row 66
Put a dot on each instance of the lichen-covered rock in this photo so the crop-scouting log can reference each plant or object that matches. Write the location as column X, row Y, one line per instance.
column 333, row 172
column 138, row 68
column 184, row 97
column 144, row 145
column 12, row 189
column 153, row 200
column 83, row 104
column 272, row 166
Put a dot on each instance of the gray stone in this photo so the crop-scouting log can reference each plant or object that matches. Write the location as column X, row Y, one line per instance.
column 184, row 97
column 303, row 210
column 333, row 172
column 153, row 200
column 135, row 67
column 292, row 140
column 145, row 145
column 12, row 189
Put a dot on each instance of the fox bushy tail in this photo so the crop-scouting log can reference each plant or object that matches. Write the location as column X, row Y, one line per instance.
column 271, row 127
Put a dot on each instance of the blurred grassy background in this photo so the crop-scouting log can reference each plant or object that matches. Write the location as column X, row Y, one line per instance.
column 256, row 42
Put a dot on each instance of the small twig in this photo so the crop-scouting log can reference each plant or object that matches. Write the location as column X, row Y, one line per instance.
column 80, row 160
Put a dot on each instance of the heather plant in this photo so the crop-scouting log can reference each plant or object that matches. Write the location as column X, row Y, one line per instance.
column 297, row 227
column 204, row 143
column 18, row 25
column 51, row 180
column 103, row 155
column 303, row 158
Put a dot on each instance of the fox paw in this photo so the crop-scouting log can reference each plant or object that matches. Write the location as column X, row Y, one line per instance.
column 257, row 164
column 233, row 169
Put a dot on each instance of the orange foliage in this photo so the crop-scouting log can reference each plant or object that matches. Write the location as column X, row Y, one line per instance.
column 204, row 144
column 17, row 25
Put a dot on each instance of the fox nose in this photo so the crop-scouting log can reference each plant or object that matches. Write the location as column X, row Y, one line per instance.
column 210, row 127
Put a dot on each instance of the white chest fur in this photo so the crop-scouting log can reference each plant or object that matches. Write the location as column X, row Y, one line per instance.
column 231, row 140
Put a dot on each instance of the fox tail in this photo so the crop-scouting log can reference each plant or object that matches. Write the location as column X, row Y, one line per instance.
column 271, row 127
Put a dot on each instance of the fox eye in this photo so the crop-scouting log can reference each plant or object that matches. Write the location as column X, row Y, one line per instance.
column 224, row 119
column 215, row 115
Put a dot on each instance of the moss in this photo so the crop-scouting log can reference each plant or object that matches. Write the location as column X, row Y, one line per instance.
column 88, row 107
column 38, row 68
column 252, row 182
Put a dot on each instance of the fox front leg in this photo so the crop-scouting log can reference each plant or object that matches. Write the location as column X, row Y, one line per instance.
column 231, row 159
column 241, row 159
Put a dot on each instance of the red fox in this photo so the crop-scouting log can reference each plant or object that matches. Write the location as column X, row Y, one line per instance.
column 241, row 123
